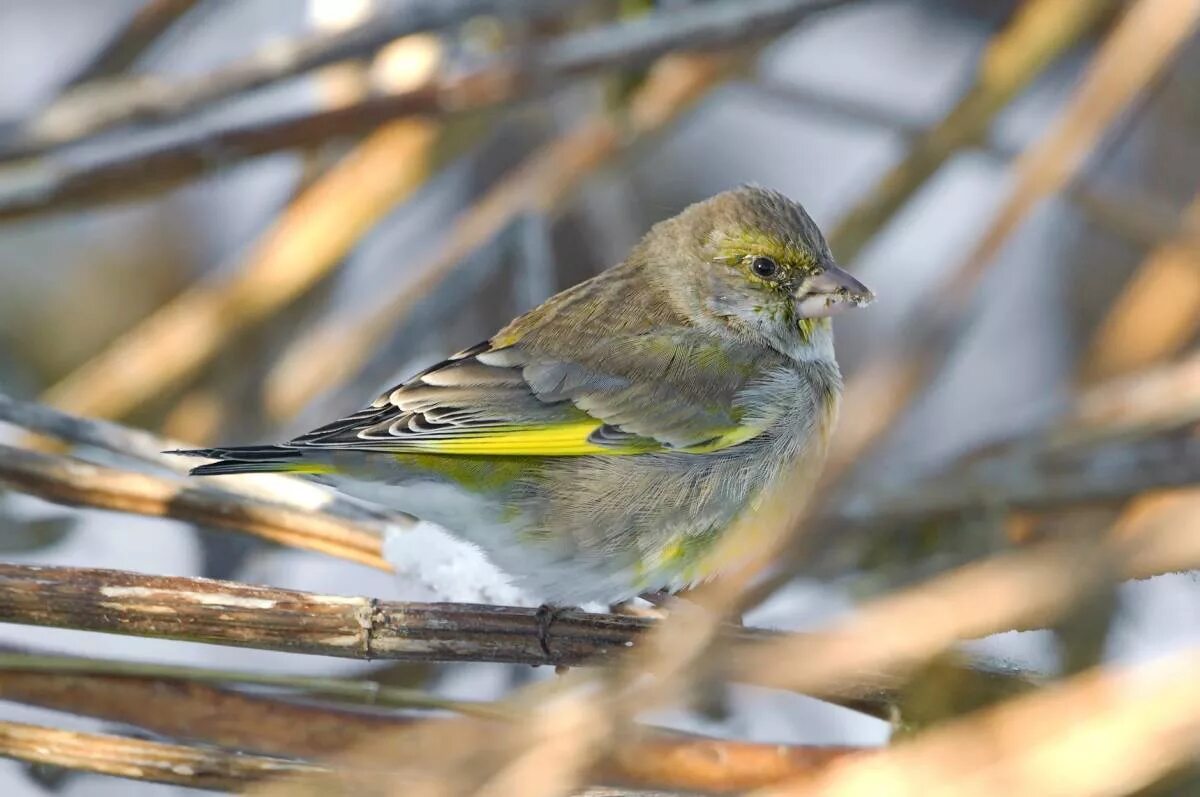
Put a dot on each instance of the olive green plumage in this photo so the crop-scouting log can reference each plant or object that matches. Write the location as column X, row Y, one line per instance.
column 600, row 445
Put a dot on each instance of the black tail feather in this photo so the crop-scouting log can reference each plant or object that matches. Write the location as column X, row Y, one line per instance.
column 248, row 459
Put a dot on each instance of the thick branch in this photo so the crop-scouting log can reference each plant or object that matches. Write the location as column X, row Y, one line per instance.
column 41, row 183
column 74, row 482
column 266, row 618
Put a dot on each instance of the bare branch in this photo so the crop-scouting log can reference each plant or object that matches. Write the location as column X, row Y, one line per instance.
column 349, row 689
column 1141, row 45
column 191, row 710
column 1106, row 732
column 74, row 482
column 149, row 98
column 266, row 618
column 1036, row 480
column 180, row 765
column 136, row 759
column 1040, row 32
column 1030, row 588
column 1158, row 313
column 166, row 700
column 41, row 183
column 144, row 28
column 143, row 446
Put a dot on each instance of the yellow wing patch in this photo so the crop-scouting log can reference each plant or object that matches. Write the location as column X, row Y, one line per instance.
column 560, row 440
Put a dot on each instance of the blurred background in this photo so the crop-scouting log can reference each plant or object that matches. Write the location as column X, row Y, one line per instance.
column 203, row 241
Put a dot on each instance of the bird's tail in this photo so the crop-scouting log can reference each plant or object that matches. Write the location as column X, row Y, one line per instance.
column 251, row 459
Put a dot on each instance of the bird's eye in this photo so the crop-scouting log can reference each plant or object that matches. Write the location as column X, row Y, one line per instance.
column 764, row 267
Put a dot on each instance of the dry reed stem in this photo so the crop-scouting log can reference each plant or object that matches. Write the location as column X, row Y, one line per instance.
column 1157, row 313
column 1141, row 45
column 148, row 23
column 156, row 762
column 1100, row 734
column 194, row 711
column 335, row 350
column 1039, row 33
column 188, row 710
column 73, row 482
column 1033, row 479
column 1023, row 589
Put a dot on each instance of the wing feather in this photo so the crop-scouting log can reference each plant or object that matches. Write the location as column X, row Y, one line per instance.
column 667, row 391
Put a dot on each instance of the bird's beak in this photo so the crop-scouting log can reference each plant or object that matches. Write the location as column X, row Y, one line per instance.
column 830, row 292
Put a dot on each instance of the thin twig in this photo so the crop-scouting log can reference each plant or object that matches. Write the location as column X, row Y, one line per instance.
column 339, row 688
column 195, row 711
column 156, row 762
column 149, row 98
column 73, row 482
column 143, row 446
column 142, row 30
column 39, row 184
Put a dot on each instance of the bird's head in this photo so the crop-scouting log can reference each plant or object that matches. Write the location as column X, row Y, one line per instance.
column 753, row 261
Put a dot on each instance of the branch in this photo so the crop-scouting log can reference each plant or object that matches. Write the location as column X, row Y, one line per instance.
column 157, row 99
column 1106, row 732
column 43, row 183
column 1035, row 480
column 266, row 618
column 1028, row 588
column 156, row 762
column 1040, row 32
column 1156, row 315
column 73, row 482
column 144, row 28
column 185, row 709
column 349, row 689
column 1142, row 44
column 166, row 701
column 143, row 446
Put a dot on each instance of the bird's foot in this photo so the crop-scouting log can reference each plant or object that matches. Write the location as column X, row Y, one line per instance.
column 546, row 615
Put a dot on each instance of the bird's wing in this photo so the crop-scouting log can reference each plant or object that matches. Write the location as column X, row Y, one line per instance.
column 649, row 392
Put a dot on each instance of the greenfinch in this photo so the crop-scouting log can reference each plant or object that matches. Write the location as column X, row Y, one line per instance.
column 600, row 446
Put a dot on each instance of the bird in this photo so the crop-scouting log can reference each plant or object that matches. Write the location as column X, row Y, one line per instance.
column 602, row 445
